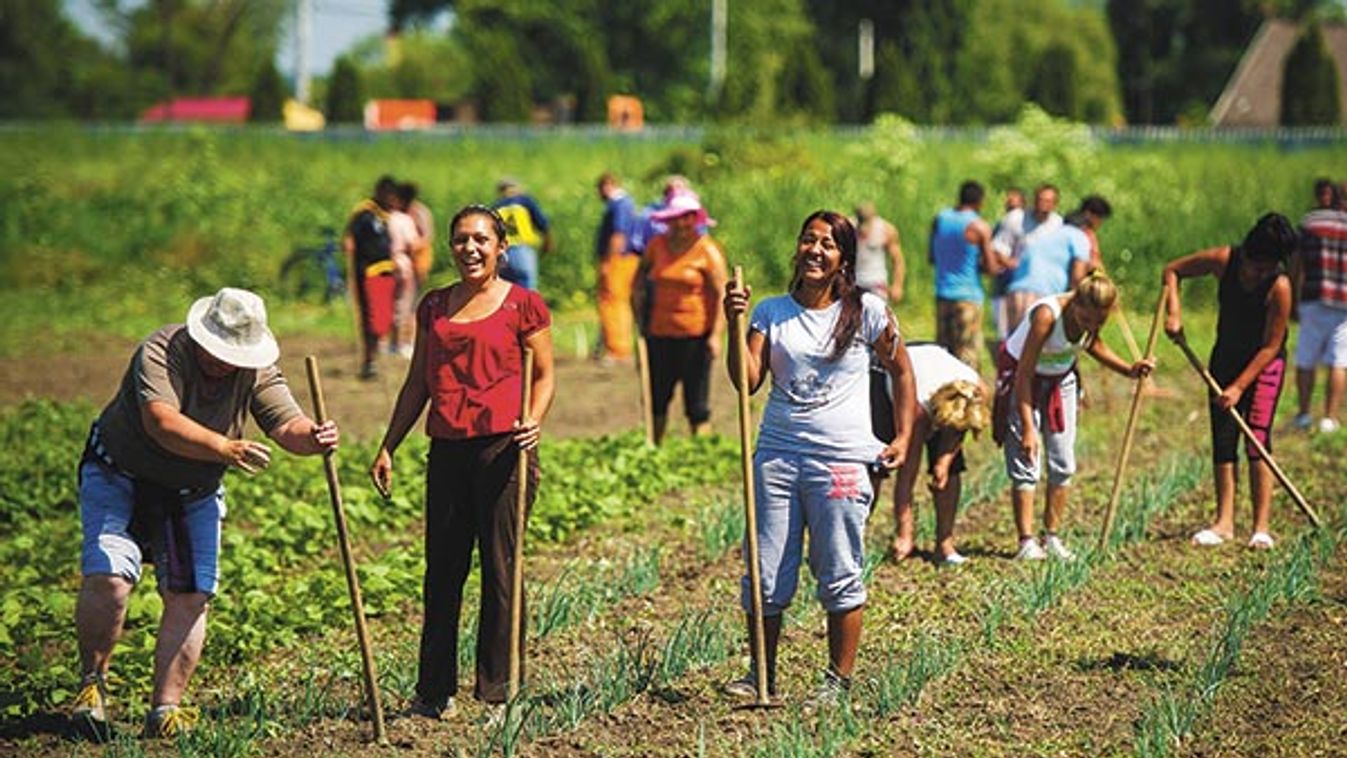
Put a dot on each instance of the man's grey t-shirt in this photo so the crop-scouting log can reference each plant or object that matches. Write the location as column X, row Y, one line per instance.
column 164, row 369
column 818, row 406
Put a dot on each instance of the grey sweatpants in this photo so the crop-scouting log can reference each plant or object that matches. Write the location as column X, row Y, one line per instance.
column 1060, row 446
column 830, row 498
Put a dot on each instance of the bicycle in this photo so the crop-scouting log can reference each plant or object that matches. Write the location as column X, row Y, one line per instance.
column 309, row 268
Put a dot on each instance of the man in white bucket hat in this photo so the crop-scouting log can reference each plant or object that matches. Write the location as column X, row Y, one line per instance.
column 150, row 488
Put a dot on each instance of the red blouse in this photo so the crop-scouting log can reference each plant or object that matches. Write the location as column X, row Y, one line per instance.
column 474, row 369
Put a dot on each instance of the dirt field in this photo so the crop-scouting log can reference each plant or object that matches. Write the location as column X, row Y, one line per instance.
column 591, row 399
column 1073, row 677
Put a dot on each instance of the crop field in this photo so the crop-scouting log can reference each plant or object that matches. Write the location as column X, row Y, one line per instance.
column 1147, row 647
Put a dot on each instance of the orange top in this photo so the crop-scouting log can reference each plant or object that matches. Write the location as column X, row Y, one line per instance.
column 683, row 296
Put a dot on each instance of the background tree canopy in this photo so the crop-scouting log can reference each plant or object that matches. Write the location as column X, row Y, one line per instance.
column 936, row 61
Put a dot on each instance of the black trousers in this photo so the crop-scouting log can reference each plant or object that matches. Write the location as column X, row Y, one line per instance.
column 471, row 487
column 680, row 359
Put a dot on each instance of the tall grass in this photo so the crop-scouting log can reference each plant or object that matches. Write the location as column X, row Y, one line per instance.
column 86, row 218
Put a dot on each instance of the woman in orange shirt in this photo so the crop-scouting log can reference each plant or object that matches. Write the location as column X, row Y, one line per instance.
column 684, row 275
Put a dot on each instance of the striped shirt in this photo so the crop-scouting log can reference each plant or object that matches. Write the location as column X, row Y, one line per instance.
column 1323, row 257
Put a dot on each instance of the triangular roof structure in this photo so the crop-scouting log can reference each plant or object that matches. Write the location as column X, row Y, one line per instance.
column 1253, row 96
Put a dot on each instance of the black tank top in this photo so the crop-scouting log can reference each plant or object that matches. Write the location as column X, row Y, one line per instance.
column 1242, row 318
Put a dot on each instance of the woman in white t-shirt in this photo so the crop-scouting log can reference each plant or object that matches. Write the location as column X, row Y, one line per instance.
column 1036, row 395
column 815, row 446
column 951, row 401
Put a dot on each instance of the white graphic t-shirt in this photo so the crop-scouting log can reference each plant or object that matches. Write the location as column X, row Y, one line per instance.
column 817, row 405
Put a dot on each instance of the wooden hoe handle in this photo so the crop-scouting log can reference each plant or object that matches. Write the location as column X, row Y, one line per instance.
column 347, row 560
column 739, row 346
column 520, row 512
column 1132, row 415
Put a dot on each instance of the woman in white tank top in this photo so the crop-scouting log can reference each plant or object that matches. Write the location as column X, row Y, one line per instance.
column 1036, row 395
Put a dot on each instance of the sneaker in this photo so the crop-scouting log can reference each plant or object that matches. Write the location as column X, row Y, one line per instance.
column 746, row 687
column 404, row 352
column 170, row 721
column 368, row 372
column 435, row 711
column 950, row 561
column 1261, row 541
column 1328, row 425
column 1057, row 549
column 493, row 715
column 1030, row 550
column 89, row 713
column 1303, row 422
column 834, row 690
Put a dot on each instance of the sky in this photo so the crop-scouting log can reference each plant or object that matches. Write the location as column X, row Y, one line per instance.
column 337, row 25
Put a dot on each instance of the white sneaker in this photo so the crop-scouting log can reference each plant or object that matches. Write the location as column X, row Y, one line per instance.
column 1303, row 422
column 1057, row 549
column 1030, row 550
column 953, row 559
column 1328, row 425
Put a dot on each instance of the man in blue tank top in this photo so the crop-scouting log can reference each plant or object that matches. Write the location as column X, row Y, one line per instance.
column 961, row 251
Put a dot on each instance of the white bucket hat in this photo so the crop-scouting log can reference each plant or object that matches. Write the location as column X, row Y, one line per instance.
column 232, row 326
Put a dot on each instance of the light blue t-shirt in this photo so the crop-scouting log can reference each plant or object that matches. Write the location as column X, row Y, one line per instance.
column 956, row 259
column 1045, row 263
column 817, row 405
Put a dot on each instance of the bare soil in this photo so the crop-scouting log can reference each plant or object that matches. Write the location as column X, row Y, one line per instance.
column 1071, row 681
column 592, row 399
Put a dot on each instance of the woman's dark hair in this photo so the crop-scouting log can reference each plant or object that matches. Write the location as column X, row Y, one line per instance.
column 1334, row 192
column 1271, row 238
column 476, row 209
column 408, row 191
column 844, row 289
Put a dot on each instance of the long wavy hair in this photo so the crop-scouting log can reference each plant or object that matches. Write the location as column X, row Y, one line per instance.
column 843, row 286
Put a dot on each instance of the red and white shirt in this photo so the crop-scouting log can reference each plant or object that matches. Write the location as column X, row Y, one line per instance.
column 1323, row 257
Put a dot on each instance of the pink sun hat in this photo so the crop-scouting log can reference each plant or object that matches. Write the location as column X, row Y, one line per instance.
column 682, row 204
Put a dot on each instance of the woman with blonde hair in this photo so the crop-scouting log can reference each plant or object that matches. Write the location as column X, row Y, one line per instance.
column 952, row 400
column 1036, row 395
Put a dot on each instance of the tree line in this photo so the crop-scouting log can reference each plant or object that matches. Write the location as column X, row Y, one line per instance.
column 934, row 61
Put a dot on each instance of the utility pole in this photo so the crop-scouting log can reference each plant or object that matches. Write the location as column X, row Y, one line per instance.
column 303, row 35
column 865, row 53
column 720, row 14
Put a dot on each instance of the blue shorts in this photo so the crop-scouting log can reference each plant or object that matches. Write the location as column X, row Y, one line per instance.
column 830, row 498
column 186, row 550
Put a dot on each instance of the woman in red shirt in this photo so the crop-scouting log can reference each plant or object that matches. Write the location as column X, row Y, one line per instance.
column 467, row 363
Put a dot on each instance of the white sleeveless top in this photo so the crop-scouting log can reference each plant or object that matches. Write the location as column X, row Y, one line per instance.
column 872, row 270
column 1058, row 354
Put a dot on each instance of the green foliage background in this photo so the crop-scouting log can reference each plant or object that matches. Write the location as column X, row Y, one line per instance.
column 108, row 231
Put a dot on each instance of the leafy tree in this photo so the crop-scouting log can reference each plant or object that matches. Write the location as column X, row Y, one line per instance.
column 268, row 94
column 49, row 69
column 502, row 86
column 1310, row 94
column 895, row 88
column 1177, row 54
column 345, row 101
column 1054, row 86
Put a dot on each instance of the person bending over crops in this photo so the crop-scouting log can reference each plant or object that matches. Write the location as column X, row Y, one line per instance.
column 1248, row 360
column 951, row 400
column 149, row 483
column 1036, row 396
column 681, row 278
column 468, row 364
column 815, row 443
